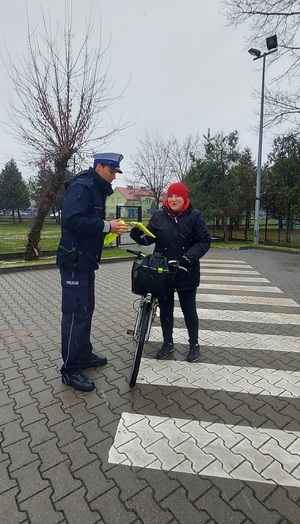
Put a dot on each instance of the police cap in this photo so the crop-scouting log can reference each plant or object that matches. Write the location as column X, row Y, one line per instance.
column 109, row 159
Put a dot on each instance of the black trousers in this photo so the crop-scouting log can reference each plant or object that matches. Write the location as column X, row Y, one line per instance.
column 78, row 303
column 187, row 300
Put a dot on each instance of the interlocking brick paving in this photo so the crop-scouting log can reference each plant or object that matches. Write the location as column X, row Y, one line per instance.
column 55, row 442
column 189, row 446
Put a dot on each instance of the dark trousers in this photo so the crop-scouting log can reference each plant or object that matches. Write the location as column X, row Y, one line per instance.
column 78, row 303
column 187, row 300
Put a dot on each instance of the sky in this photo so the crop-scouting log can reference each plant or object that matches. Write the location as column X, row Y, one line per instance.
column 183, row 68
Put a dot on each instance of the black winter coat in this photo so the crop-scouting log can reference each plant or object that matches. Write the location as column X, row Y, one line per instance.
column 175, row 236
column 82, row 222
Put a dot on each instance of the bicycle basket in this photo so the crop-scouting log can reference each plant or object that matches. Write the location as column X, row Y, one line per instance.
column 153, row 275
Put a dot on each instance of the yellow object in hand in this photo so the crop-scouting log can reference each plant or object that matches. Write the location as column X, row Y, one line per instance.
column 142, row 227
column 108, row 239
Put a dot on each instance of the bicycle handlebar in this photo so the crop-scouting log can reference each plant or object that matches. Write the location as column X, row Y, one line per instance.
column 176, row 264
column 140, row 254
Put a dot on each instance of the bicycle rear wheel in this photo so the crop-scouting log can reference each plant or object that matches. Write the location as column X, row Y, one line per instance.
column 143, row 328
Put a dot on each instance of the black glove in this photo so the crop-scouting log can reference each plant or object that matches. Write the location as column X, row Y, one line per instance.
column 186, row 262
column 136, row 234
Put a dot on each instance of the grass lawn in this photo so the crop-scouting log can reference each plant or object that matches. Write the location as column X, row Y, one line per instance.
column 13, row 238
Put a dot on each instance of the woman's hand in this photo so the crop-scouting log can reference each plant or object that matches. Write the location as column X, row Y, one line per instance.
column 186, row 262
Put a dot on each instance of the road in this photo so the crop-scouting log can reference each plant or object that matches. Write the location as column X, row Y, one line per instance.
column 216, row 441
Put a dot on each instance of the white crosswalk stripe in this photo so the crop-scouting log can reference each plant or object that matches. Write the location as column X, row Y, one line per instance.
column 229, row 271
column 205, row 448
column 243, row 299
column 199, row 447
column 234, row 279
column 236, row 287
column 225, row 266
column 233, row 339
column 223, row 262
column 244, row 316
column 252, row 380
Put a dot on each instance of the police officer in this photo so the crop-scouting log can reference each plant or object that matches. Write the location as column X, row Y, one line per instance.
column 83, row 227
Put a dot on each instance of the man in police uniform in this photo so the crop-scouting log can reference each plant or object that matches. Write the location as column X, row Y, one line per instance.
column 83, row 227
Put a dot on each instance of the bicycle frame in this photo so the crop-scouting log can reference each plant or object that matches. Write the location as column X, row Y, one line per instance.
column 148, row 299
column 140, row 334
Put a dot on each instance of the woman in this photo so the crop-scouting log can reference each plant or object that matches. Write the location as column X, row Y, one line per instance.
column 180, row 234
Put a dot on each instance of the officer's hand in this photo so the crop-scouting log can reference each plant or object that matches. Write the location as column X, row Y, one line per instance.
column 118, row 226
column 186, row 262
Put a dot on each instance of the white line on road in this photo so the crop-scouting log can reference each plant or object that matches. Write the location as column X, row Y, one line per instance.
column 234, row 339
column 246, row 379
column 230, row 271
column 240, row 299
column 224, row 265
column 236, row 287
column 244, row 316
column 203, row 448
column 235, row 279
column 222, row 261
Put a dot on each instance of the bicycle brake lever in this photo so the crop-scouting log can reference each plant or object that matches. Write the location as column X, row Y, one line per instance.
column 176, row 263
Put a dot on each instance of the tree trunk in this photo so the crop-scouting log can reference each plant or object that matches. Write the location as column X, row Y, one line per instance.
column 247, row 225
column 266, row 224
column 33, row 250
column 230, row 228
column 225, row 228
column 288, row 227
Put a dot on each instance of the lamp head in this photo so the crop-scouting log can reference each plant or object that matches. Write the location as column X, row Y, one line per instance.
column 271, row 42
column 254, row 52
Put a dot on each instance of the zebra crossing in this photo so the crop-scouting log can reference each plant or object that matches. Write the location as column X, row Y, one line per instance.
column 204, row 447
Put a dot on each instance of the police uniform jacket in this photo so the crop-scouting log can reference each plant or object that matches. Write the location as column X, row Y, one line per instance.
column 82, row 221
column 185, row 233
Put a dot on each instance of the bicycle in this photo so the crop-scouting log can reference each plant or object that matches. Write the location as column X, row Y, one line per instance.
column 146, row 313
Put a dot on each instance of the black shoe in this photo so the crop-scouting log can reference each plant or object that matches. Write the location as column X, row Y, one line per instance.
column 80, row 382
column 94, row 362
column 194, row 353
column 165, row 350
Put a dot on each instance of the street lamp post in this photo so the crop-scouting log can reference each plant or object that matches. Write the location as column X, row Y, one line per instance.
column 272, row 47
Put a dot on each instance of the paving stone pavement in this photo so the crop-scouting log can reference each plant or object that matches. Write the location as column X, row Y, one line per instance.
column 217, row 441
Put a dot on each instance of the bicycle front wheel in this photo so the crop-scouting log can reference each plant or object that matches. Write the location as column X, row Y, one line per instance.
column 142, row 333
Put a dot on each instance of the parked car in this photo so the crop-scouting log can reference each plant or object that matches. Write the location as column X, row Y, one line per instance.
column 55, row 216
column 26, row 213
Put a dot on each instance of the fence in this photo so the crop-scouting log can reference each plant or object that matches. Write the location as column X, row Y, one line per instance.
column 128, row 214
column 271, row 232
column 13, row 237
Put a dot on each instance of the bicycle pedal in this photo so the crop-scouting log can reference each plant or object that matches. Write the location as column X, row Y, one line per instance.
column 130, row 332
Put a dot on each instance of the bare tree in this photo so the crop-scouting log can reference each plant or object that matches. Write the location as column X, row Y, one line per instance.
column 61, row 93
column 268, row 17
column 151, row 166
column 181, row 155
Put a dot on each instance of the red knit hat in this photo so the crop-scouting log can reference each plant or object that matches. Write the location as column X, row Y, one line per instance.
column 178, row 189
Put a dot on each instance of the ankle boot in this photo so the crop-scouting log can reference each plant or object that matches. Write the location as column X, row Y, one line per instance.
column 194, row 353
column 165, row 350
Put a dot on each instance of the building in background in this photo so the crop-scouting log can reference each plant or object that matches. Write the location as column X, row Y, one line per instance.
column 128, row 198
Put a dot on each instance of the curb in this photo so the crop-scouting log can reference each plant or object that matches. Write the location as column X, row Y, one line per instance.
column 52, row 265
